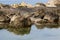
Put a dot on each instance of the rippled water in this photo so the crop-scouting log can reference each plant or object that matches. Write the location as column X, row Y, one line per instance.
column 31, row 33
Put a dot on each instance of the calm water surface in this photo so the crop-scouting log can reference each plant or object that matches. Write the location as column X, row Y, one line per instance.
column 33, row 33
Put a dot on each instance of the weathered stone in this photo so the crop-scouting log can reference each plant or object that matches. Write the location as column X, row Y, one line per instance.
column 40, row 5
column 51, row 17
column 53, row 3
column 4, row 19
column 24, row 16
column 20, row 21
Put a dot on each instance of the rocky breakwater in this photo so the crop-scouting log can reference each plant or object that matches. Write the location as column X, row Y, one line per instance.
column 23, row 16
column 14, row 18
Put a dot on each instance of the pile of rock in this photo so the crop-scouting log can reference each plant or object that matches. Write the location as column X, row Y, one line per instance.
column 26, row 16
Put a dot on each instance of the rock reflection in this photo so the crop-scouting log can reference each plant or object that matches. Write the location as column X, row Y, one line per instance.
column 47, row 26
column 25, row 30
column 20, row 31
column 17, row 29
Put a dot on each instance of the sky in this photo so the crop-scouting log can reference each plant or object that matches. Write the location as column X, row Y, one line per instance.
column 19, row 1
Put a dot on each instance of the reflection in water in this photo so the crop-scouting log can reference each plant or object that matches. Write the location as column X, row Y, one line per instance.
column 25, row 30
column 38, row 32
column 16, row 29
column 20, row 31
column 48, row 26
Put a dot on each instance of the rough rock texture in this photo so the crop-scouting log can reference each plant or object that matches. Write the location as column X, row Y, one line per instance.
column 24, row 16
column 53, row 3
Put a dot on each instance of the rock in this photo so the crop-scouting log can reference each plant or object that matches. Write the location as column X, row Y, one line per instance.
column 20, row 21
column 23, row 15
column 5, row 6
column 35, row 20
column 14, row 5
column 23, row 4
column 40, row 13
column 53, row 3
column 40, row 5
column 4, row 19
column 51, row 17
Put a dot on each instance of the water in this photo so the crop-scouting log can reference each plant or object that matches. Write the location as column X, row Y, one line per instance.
column 31, row 33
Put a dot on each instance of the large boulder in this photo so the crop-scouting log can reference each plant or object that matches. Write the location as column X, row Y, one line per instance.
column 53, row 3
column 20, row 21
column 4, row 19
column 51, row 17
column 39, row 13
column 40, row 5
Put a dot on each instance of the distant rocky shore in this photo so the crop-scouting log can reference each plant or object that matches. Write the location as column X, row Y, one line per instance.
column 25, row 14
